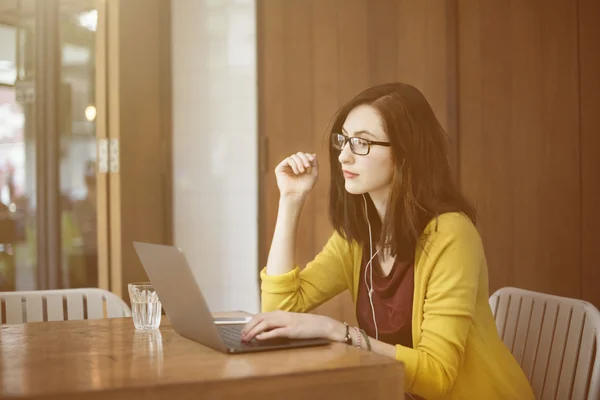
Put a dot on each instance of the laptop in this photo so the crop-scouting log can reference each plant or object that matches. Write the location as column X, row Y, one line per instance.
column 170, row 274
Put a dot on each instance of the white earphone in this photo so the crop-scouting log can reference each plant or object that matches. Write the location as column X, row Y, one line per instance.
column 370, row 264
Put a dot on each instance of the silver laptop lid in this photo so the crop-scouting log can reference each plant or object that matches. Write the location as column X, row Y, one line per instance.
column 180, row 295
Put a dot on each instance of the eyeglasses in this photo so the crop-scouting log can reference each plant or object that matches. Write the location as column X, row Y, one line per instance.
column 358, row 145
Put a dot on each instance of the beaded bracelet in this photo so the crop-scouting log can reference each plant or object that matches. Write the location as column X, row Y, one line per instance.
column 358, row 337
column 366, row 339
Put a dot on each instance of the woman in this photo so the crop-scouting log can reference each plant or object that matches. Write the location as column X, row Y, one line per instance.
column 404, row 244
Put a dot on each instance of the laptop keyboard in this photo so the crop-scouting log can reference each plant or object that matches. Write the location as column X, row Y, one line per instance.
column 232, row 337
column 231, row 334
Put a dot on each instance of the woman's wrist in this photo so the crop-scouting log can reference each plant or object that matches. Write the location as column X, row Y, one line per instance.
column 293, row 202
column 335, row 330
column 338, row 331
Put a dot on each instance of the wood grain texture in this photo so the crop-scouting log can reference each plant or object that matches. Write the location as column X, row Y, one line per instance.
column 270, row 28
column 518, row 139
column 427, row 55
column 138, row 108
column 483, row 175
column 589, row 92
column 101, row 358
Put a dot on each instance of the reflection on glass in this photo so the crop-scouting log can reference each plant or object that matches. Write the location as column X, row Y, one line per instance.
column 78, row 145
column 17, row 157
column 147, row 353
column 77, row 157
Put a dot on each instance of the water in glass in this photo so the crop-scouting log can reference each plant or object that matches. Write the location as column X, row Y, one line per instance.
column 146, row 308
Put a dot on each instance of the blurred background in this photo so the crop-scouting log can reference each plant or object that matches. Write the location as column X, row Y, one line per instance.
column 162, row 120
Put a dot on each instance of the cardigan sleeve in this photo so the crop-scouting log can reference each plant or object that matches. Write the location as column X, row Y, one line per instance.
column 302, row 290
column 456, row 254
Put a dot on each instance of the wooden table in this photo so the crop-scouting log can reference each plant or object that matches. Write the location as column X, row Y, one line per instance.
column 108, row 359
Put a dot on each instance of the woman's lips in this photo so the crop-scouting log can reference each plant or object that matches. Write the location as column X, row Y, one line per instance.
column 349, row 175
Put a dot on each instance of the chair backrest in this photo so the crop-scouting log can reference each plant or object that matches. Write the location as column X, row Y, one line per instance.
column 59, row 305
column 554, row 339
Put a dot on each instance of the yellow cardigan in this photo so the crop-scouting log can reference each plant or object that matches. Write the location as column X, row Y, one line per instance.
column 457, row 352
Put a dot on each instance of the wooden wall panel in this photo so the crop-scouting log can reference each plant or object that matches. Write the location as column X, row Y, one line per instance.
column 325, row 102
column 546, row 100
column 270, row 26
column 353, row 50
column 427, row 55
column 383, row 41
column 589, row 86
column 297, row 104
column 519, row 141
column 483, row 103
column 138, row 105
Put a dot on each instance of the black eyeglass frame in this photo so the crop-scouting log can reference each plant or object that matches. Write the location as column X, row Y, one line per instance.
column 355, row 139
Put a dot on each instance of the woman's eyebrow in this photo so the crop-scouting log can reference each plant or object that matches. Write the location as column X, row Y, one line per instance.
column 361, row 132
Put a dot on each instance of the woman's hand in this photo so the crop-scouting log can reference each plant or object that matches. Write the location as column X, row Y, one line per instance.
column 297, row 175
column 283, row 324
column 278, row 324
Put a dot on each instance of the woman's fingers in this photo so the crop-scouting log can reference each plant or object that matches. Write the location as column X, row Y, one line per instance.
column 299, row 162
column 264, row 322
column 255, row 330
column 292, row 165
column 255, row 320
column 314, row 164
column 273, row 333
column 267, row 321
column 306, row 159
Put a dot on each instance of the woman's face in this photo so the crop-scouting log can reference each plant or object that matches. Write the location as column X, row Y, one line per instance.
column 371, row 173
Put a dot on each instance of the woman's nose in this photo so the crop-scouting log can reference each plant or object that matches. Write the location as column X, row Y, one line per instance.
column 345, row 156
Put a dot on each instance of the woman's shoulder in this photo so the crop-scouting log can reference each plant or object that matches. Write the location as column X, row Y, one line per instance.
column 455, row 235
column 343, row 246
column 452, row 224
column 337, row 241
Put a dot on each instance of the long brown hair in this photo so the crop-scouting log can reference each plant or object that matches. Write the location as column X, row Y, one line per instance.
column 423, row 186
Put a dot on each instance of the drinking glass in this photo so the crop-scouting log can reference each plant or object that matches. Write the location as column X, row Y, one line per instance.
column 146, row 308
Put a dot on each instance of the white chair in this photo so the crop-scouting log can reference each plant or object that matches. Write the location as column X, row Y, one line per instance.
column 554, row 339
column 60, row 305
